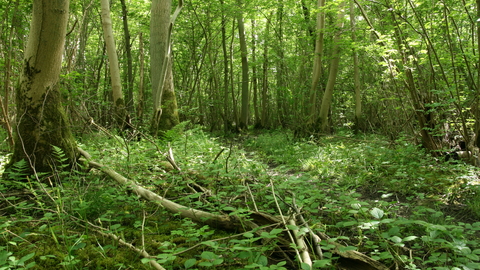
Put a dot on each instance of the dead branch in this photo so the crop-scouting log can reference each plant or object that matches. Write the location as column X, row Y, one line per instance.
column 349, row 259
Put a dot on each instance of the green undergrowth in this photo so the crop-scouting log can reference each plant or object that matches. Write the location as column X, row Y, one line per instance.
column 388, row 200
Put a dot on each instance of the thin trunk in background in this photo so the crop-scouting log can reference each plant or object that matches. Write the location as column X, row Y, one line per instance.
column 264, row 100
column 117, row 94
column 356, row 72
column 477, row 109
column 128, row 49
column 280, row 76
column 255, row 77
column 227, row 122
column 317, row 65
column 244, row 114
column 332, row 76
column 4, row 102
column 141, row 87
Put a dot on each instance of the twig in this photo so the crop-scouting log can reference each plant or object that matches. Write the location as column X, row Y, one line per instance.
column 299, row 239
column 315, row 238
column 253, row 198
column 142, row 251
column 284, row 221
column 218, row 155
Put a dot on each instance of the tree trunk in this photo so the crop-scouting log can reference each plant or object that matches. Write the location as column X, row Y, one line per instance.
column 264, row 102
column 245, row 91
column 332, row 76
column 141, row 88
column 41, row 121
column 477, row 109
column 356, row 74
column 227, row 122
column 118, row 100
column 317, row 64
column 255, row 77
column 128, row 49
column 161, row 25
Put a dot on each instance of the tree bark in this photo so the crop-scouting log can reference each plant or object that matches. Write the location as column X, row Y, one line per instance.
column 332, row 77
column 128, row 49
column 477, row 109
column 141, row 87
column 41, row 120
column 245, row 91
column 317, row 64
column 117, row 94
column 161, row 24
column 356, row 74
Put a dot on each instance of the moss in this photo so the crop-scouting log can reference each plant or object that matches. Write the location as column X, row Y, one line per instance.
column 41, row 126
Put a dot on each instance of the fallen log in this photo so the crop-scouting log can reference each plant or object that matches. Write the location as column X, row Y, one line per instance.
column 349, row 259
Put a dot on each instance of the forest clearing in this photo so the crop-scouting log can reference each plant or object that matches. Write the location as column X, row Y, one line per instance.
column 234, row 134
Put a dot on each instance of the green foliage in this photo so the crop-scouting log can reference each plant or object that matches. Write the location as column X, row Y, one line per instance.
column 391, row 202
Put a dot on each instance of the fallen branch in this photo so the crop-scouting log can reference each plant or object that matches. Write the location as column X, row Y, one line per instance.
column 225, row 222
column 234, row 223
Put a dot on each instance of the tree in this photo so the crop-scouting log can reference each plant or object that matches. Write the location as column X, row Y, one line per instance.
column 356, row 73
column 41, row 121
column 317, row 63
column 332, row 76
column 165, row 114
column 245, row 91
column 118, row 100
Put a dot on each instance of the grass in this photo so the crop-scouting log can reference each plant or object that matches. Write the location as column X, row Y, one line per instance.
column 389, row 200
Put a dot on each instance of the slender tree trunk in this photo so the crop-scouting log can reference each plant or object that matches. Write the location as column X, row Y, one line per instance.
column 356, row 73
column 245, row 91
column 477, row 109
column 4, row 102
column 141, row 87
column 226, row 114
column 332, row 77
column 317, row 64
column 128, row 49
column 255, row 77
column 280, row 68
column 117, row 94
column 264, row 102
column 41, row 121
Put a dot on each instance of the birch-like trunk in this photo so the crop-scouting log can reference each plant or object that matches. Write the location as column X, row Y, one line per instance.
column 118, row 100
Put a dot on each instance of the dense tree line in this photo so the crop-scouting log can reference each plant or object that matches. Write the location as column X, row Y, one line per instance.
column 400, row 68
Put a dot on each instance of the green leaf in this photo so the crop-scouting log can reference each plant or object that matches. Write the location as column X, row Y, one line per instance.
column 292, row 227
column 208, row 255
column 262, row 260
column 409, row 238
column 349, row 223
column 248, row 235
column 377, row 213
column 396, row 239
column 473, row 257
column 276, row 231
column 305, row 266
column 343, row 249
column 189, row 263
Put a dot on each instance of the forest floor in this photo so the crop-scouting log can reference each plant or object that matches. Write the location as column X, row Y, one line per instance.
column 388, row 200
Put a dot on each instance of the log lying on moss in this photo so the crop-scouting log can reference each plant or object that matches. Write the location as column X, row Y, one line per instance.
column 214, row 220
column 349, row 259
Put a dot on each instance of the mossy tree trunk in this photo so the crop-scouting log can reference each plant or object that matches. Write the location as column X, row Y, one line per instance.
column 41, row 120
column 165, row 112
